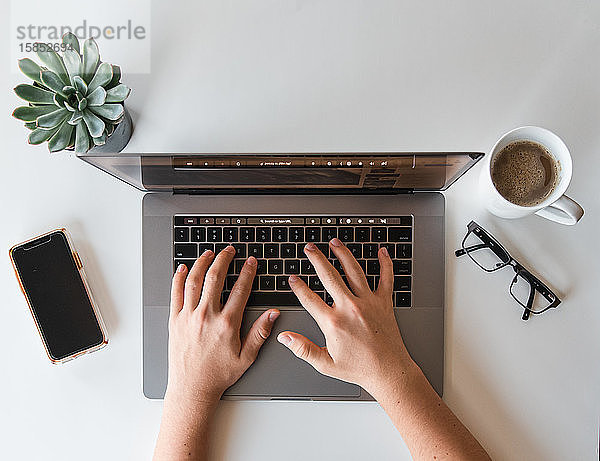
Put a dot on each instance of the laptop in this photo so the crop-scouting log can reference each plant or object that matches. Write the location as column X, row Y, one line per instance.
column 270, row 205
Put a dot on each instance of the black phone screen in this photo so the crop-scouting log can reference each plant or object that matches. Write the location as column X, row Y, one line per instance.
column 57, row 295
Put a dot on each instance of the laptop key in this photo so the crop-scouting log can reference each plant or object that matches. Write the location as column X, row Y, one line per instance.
column 306, row 268
column 372, row 267
column 182, row 234
column 328, row 233
column 275, row 266
column 214, row 234
column 391, row 248
column 370, row 250
column 188, row 262
column 239, row 263
column 363, row 234
column 247, row 234
column 400, row 234
column 198, row 234
column 288, row 250
column 267, row 282
column 280, row 234
column 263, row 234
column 240, row 250
column 296, row 234
column 313, row 234
column 261, row 266
column 402, row 283
column 230, row 281
column 220, row 247
column 403, row 299
column 272, row 299
column 379, row 234
column 186, row 250
column 402, row 267
column 403, row 250
column 346, row 234
column 323, row 248
column 355, row 249
column 230, row 234
column 202, row 247
column 314, row 283
column 292, row 266
column 256, row 250
column 271, row 250
column 282, row 283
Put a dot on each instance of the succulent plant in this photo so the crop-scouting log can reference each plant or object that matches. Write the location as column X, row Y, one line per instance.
column 75, row 101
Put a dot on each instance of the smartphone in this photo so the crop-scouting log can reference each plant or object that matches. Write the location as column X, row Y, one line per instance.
column 52, row 279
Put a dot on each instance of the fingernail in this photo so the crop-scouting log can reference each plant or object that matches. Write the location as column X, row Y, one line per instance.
column 273, row 315
column 286, row 340
column 181, row 268
column 251, row 261
column 230, row 249
column 310, row 247
column 384, row 251
column 293, row 278
column 336, row 242
column 207, row 252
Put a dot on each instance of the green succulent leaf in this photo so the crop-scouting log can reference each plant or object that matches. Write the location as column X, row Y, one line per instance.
column 69, row 90
column 102, row 76
column 82, row 138
column 59, row 100
column 82, row 104
column 94, row 124
column 72, row 61
column 30, row 69
column 39, row 135
column 115, row 78
column 30, row 125
column 91, row 58
column 53, row 61
column 75, row 117
column 69, row 107
column 52, row 119
column 61, row 138
column 70, row 40
column 33, row 94
column 30, row 114
column 100, row 140
column 110, row 128
column 118, row 93
column 109, row 111
column 96, row 97
column 80, row 85
column 52, row 81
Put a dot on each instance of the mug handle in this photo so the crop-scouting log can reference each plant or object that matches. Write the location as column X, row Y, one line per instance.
column 564, row 211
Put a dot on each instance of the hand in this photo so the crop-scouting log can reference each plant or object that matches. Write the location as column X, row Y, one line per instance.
column 363, row 343
column 206, row 354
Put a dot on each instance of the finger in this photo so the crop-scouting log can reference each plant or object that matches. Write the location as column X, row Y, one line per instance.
column 195, row 280
column 354, row 273
column 241, row 290
column 177, row 289
column 215, row 279
column 258, row 334
column 311, row 301
column 386, row 273
column 306, row 350
column 331, row 279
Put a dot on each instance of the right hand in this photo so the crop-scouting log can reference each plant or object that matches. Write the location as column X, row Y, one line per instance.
column 363, row 342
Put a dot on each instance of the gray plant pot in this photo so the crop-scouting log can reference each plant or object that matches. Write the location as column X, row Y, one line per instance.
column 117, row 141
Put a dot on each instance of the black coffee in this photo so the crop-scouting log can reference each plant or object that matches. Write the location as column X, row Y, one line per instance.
column 525, row 173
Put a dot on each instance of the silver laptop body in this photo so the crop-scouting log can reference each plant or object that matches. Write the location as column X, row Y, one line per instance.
column 276, row 189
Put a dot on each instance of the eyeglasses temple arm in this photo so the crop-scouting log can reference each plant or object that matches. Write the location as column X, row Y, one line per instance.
column 527, row 312
column 464, row 251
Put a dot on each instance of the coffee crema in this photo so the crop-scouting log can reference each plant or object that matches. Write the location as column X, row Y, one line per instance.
column 525, row 173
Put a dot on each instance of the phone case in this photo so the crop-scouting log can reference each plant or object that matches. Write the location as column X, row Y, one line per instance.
column 81, row 271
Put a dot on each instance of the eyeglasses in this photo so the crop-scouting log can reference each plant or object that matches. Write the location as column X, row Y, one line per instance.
column 485, row 251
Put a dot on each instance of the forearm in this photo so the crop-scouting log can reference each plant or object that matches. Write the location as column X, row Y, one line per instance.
column 184, row 429
column 427, row 425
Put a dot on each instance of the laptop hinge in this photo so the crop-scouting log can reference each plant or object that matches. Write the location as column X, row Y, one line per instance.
column 282, row 191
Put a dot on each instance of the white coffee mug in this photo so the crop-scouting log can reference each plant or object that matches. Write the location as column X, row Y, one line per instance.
column 557, row 206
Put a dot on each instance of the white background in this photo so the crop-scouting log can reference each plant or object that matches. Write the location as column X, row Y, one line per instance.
column 331, row 76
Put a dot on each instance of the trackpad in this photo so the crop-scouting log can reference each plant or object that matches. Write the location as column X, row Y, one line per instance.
column 278, row 373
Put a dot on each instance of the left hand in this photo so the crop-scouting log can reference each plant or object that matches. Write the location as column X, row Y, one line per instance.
column 206, row 353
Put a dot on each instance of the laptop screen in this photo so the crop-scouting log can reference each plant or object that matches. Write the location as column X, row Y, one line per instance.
column 292, row 171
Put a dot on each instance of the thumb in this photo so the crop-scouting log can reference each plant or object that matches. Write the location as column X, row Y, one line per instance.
column 258, row 334
column 306, row 350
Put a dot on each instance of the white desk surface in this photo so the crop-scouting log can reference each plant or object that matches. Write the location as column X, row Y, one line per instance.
column 329, row 76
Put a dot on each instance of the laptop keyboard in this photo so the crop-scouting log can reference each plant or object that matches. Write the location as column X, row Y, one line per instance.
column 277, row 243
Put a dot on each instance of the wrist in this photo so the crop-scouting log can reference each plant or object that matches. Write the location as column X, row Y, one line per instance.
column 191, row 396
column 393, row 379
